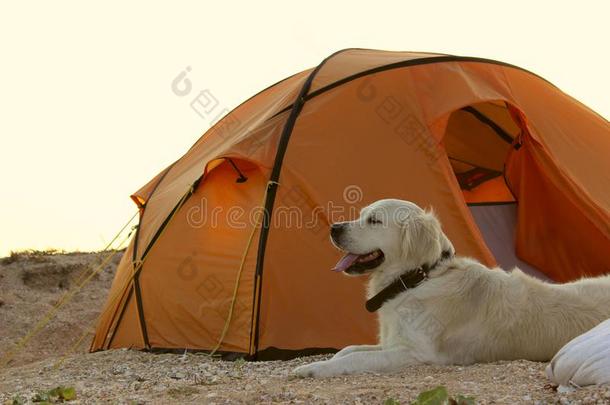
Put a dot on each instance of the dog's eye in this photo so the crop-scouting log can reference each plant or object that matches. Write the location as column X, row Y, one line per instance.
column 373, row 221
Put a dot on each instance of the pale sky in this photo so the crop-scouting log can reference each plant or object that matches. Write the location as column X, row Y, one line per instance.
column 87, row 114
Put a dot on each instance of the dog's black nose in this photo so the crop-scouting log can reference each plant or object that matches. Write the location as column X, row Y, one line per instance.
column 336, row 230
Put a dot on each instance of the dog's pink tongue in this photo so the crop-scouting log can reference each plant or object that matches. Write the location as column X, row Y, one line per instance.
column 345, row 262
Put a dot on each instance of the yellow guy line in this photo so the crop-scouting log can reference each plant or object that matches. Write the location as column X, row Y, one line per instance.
column 239, row 272
column 81, row 282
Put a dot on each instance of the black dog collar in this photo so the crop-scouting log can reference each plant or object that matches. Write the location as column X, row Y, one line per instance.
column 410, row 279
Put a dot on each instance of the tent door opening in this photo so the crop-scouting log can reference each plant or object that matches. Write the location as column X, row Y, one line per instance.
column 477, row 140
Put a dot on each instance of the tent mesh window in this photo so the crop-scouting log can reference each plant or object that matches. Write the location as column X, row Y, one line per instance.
column 477, row 141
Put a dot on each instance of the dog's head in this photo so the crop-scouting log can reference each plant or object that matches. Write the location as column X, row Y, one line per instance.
column 389, row 234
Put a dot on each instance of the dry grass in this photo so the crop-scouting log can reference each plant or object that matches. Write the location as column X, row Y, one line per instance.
column 32, row 255
column 42, row 256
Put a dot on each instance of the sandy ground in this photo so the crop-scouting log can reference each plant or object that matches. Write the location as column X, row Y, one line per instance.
column 31, row 284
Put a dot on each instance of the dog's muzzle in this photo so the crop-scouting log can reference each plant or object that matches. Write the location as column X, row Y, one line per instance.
column 336, row 231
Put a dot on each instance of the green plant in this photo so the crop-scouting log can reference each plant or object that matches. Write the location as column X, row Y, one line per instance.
column 462, row 400
column 239, row 363
column 440, row 396
column 17, row 400
column 57, row 394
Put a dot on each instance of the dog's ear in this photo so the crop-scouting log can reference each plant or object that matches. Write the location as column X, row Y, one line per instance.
column 421, row 237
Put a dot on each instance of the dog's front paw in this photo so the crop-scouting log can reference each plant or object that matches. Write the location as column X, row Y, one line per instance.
column 315, row 370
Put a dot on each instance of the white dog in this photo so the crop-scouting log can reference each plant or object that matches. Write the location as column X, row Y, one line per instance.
column 437, row 308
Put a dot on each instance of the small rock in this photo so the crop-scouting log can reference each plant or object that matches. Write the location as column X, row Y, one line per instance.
column 117, row 370
column 177, row 376
column 563, row 389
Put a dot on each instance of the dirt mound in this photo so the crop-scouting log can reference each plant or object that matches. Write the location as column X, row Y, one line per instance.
column 51, row 277
column 32, row 283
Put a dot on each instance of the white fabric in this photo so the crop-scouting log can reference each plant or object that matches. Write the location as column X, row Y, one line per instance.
column 498, row 223
column 585, row 360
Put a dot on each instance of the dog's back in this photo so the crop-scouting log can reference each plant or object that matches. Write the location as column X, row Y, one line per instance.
column 506, row 316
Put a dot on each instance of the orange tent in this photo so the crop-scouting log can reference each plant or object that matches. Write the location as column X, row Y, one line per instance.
column 232, row 248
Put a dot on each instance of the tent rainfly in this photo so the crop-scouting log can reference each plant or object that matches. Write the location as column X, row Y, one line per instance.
column 232, row 249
